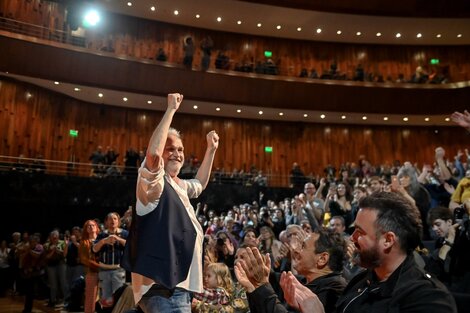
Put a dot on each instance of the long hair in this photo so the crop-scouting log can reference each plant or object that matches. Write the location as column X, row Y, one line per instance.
column 85, row 235
column 222, row 272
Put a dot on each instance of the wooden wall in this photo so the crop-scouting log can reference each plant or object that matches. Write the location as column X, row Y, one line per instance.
column 141, row 38
column 40, row 125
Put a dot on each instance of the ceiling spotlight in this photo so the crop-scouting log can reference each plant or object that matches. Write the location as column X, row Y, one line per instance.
column 426, row 119
column 459, row 35
column 343, row 117
column 100, row 95
column 219, row 19
column 364, row 118
column 447, row 119
column 56, row 83
column 281, row 114
column 239, row 111
column 91, row 18
column 149, row 101
column 129, row 4
column 125, row 99
column 76, row 89
column 299, row 29
column 176, row 12
column 419, row 35
column 398, row 35
column 385, row 118
column 259, row 24
column 405, row 119
column 278, row 26
column 438, row 36
column 195, row 107
column 260, row 112
column 239, row 22
column 378, row 34
column 318, row 30
column 305, row 115
column 152, row 8
column 358, row 33
column 217, row 109
column 198, row 16
column 322, row 116
column 338, row 32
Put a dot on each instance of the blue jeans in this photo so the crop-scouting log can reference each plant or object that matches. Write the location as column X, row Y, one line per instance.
column 179, row 302
column 110, row 281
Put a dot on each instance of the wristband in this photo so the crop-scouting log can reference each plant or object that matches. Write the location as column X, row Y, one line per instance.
column 446, row 243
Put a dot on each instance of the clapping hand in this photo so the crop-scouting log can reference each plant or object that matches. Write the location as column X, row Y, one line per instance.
column 298, row 296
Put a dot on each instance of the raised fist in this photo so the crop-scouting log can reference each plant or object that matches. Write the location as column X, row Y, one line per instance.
column 174, row 100
column 212, row 140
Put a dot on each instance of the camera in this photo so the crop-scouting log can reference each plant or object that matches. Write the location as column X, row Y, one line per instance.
column 459, row 213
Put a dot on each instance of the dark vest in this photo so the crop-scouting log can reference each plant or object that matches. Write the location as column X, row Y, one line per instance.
column 161, row 243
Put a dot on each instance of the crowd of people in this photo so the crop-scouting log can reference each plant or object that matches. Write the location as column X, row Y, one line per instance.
column 342, row 244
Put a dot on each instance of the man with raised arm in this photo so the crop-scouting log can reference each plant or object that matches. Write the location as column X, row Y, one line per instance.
column 164, row 248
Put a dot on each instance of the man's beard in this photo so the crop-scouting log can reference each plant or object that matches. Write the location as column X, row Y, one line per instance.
column 369, row 258
column 173, row 167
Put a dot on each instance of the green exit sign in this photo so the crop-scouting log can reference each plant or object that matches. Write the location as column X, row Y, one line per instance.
column 268, row 149
column 434, row 61
column 268, row 54
column 73, row 133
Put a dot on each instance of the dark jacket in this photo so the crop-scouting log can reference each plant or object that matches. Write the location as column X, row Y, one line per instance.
column 408, row 289
column 161, row 243
column 267, row 298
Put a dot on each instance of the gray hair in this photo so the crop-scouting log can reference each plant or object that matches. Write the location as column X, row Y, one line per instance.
column 174, row 132
column 411, row 173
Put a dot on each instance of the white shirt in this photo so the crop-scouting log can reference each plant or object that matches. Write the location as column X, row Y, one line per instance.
column 149, row 189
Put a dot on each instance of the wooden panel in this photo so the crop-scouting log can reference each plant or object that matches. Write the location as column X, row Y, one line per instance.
column 40, row 125
column 133, row 37
column 139, row 76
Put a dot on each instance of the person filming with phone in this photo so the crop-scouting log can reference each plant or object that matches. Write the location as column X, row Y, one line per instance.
column 450, row 261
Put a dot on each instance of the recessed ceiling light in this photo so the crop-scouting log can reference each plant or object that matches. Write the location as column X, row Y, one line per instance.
column 259, row 24
column 100, row 95
column 318, row 30
column 438, row 36
column 378, row 34
column 129, row 4
column 419, row 35
column 152, row 8
column 260, row 112
column 358, row 33
column 195, row 107
column 217, row 109
column 343, row 117
column 398, row 35
column 405, row 119
column 56, row 83
column 459, row 35
column 364, row 118
column 281, row 114
column 175, row 12
column 239, row 111
column 426, row 119
column 198, row 16
column 339, row 32
column 219, row 19
column 239, row 22
column 124, row 99
column 278, row 26
column 322, row 116
column 149, row 101
column 299, row 29
column 385, row 118
column 76, row 89
column 447, row 119
column 305, row 115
